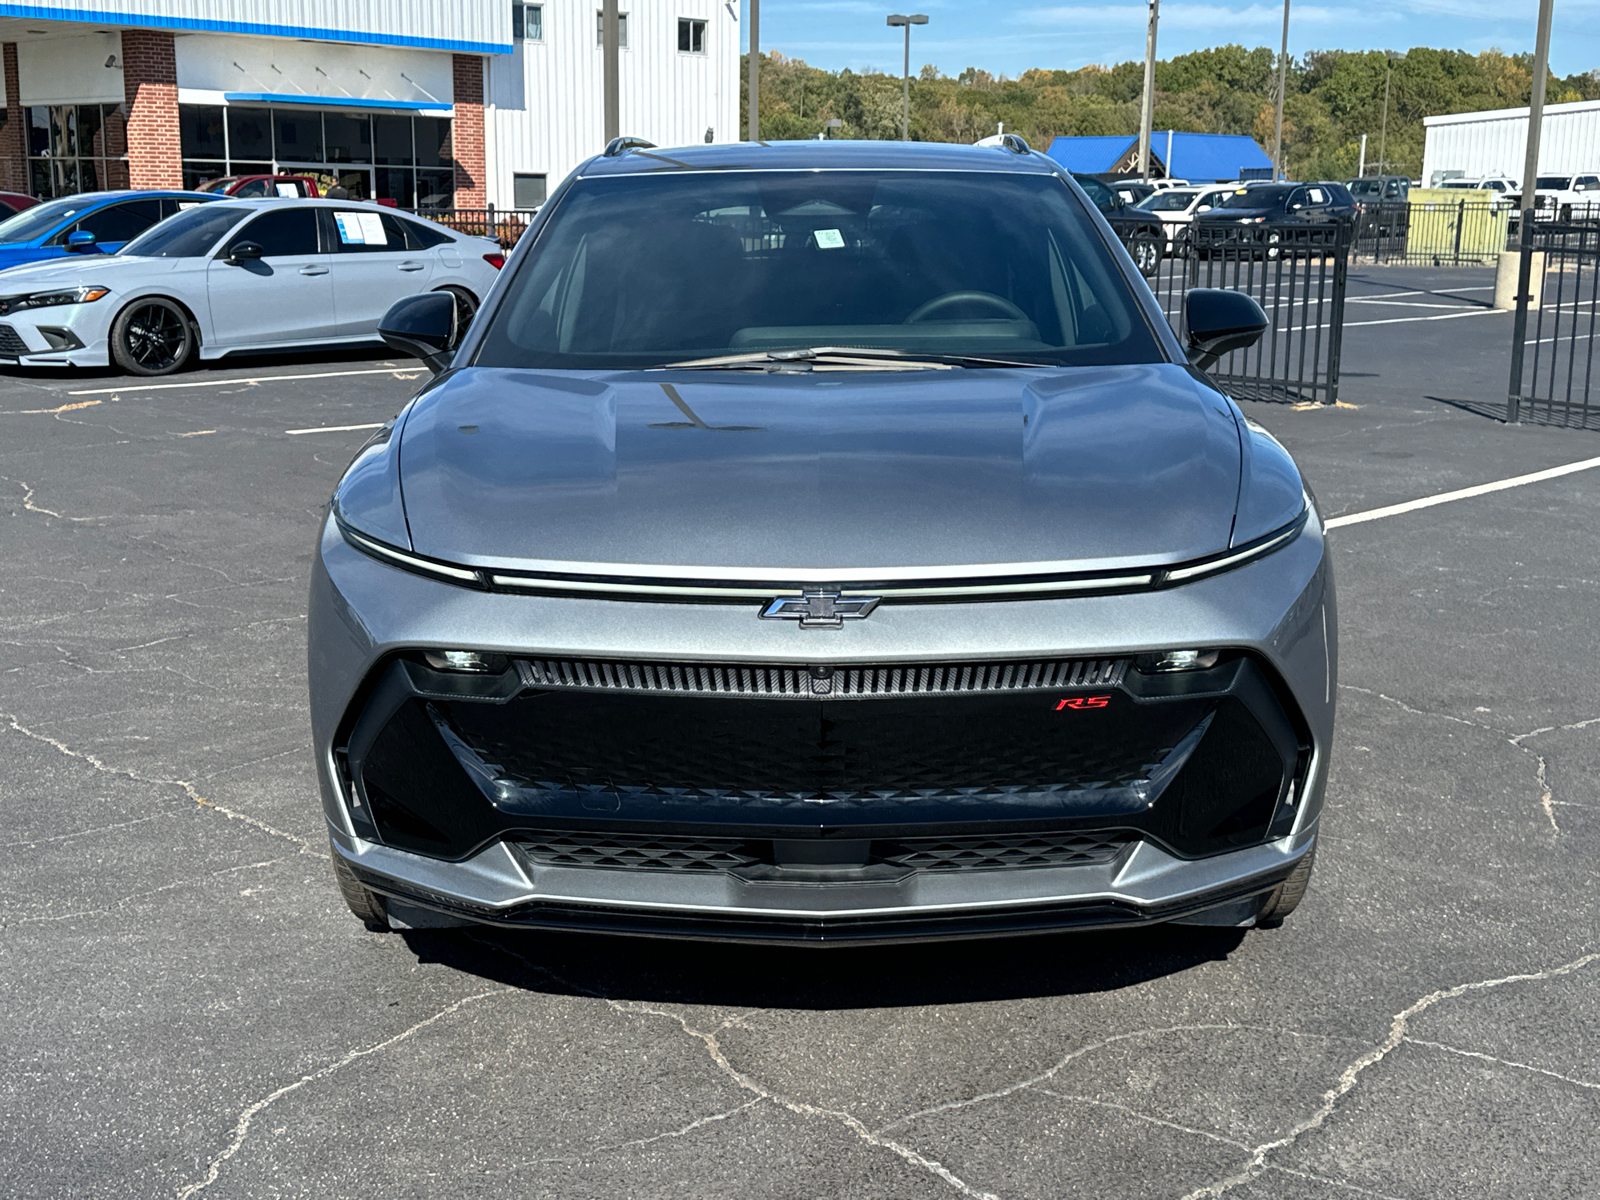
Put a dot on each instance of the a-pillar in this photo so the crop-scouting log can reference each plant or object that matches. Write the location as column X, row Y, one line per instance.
column 14, row 133
column 150, row 73
column 466, row 133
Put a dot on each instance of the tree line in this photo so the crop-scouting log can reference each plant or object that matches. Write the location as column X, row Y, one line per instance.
column 1332, row 97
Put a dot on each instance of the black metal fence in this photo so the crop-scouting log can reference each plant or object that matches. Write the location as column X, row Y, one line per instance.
column 1297, row 273
column 1449, row 233
column 504, row 224
column 1557, row 322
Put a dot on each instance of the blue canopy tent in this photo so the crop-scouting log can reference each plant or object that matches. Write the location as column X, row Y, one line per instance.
column 1199, row 157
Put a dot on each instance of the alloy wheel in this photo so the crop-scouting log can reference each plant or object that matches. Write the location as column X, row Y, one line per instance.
column 156, row 337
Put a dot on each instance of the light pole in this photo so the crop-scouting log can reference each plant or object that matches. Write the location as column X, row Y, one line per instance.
column 1283, row 71
column 755, row 71
column 610, row 72
column 1383, row 130
column 899, row 21
column 1148, row 108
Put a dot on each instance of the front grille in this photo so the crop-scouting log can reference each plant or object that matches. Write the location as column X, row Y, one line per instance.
column 638, row 852
column 999, row 853
column 11, row 343
column 715, row 679
column 708, row 855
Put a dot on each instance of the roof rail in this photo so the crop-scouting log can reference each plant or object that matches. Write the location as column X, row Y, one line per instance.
column 622, row 145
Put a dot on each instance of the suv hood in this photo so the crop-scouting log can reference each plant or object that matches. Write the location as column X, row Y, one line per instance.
column 1096, row 467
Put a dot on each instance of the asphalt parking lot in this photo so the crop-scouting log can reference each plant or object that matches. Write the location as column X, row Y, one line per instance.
column 187, row 1009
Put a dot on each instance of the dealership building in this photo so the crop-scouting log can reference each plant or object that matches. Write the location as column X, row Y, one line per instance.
column 438, row 103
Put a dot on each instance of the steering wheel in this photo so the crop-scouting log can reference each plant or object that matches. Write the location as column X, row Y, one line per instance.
column 950, row 299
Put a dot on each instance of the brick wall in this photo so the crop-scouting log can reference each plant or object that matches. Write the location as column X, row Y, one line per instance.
column 151, row 78
column 14, row 133
column 466, row 133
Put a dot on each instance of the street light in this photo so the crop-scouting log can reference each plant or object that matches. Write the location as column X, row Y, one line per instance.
column 900, row 21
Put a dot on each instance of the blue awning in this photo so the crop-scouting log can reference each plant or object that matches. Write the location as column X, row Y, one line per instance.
column 335, row 101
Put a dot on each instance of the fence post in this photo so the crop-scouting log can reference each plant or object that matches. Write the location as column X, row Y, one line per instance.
column 1519, row 325
column 1341, row 257
column 1461, row 219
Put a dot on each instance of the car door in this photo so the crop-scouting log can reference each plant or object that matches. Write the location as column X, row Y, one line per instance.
column 285, row 296
column 373, row 267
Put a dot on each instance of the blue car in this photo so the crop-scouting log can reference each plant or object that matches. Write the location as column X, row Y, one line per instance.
column 93, row 221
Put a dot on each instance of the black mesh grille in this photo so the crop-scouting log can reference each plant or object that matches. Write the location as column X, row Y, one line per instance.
column 998, row 853
column 707, row 855
column 715, row 679
column 11, row 342
column 638, row 851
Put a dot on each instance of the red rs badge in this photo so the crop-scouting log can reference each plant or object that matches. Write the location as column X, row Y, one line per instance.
column 1084, row 702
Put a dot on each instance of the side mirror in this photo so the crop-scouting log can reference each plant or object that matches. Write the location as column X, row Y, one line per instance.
column 1204, row 208
column 1220, row 322
column 244, row 252
column 81, row 241
column 422, row 327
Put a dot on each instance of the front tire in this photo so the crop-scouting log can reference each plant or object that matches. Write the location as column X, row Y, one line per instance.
column 1286, row 897
column 152, row 336
column 365, row 903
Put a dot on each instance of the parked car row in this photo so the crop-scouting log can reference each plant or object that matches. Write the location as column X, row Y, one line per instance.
column 150, row 280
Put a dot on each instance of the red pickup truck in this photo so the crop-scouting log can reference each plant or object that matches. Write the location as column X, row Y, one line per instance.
column 252, row 186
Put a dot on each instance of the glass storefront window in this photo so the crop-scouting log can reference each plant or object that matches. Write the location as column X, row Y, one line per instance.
column 75, row 148
column 411, row 156
column 298, row 136
column 349, row 138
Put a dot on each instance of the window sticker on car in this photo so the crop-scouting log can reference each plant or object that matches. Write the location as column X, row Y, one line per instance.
column 183, row 204
column 291, row 190
column 829, row 239
column 360, row 229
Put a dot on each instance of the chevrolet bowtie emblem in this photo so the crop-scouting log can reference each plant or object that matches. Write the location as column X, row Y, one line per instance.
column 820, row 608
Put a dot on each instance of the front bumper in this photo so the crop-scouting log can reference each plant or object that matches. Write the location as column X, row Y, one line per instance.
column 365, row 617
column 66, row 335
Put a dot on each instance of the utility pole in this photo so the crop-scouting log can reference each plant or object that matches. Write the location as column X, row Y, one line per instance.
column 1283, row 73
column 1383, row 133
column 1148, row 108
column 608, row 41
column 897, row 21
column 1530, row 188
column 755, row 72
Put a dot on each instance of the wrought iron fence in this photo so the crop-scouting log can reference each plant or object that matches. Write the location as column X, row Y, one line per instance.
column 1297, row 273
column 505, row 225
column 1438, row 233
column 1557, row 321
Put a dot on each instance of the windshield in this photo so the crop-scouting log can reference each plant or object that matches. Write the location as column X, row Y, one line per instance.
column 189, row 234
column 1555, row 183
column 1366, row 187
column 39, row 220
column 1261, row 197
column 1166, row 202
column 641, row 271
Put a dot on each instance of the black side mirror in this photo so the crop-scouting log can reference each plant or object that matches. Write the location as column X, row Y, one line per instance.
column 1220, row 322
column 244, row 252
column 423, row 327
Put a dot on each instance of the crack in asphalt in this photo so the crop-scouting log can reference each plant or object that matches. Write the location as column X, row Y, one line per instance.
column 1547, row 800
column 30, row 506
column 241, row 1129
column 1506, row 1062
column 135, row 896
column 184, row 785
column 635, row 1143
column 1349, row 1077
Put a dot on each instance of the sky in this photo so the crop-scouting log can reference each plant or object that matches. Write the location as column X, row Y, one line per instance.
column 1009, row 36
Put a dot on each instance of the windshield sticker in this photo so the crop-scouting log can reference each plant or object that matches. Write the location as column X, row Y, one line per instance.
column 292, row 190
column 360, row 229
column 829, row 239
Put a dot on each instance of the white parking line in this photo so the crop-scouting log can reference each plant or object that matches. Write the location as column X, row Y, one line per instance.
column 398, row 372
column 1482, row 489
column 333, row 429
column 1449, row 316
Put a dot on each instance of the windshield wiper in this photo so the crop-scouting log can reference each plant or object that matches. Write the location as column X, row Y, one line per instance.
column 840, row 358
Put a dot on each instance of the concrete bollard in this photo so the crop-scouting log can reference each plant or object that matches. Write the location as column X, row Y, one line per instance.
column 1505, row 280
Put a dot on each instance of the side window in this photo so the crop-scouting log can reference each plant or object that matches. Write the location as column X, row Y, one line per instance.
column 120, row 222
column 1297, row 199
column 422, row 237
column 368, row 232
column 253, row 190
column 283, row 232
column 1316, row 196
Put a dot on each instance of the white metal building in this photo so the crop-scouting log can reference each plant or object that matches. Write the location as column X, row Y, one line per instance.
column 1493, row 143
column 442, row 102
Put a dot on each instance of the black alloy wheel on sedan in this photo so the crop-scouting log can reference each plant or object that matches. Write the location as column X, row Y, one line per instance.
column 152, row 337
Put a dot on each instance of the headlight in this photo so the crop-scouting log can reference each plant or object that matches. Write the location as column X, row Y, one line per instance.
column 79, row 295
